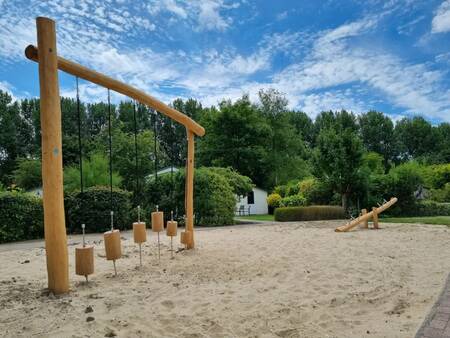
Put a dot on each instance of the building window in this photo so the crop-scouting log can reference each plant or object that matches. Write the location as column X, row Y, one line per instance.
column 251, row 198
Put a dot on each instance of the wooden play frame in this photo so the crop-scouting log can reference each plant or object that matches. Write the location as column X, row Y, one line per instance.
column 45, row 54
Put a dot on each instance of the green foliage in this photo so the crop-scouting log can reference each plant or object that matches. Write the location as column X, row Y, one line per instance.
column 377, row 134
column 240, row 184
column 338, row 155
column 274, row 200
column 293, row 201
column 311, row 213
column 315, row 191
column 92, row 207
column 402, row 182
column 214, row 198
column 28, row 173
column 374, row 163
column 441, row 195
column 21, row 217
column 437, row 176
column 281, row 190
column 429, row 208
column 95, row 173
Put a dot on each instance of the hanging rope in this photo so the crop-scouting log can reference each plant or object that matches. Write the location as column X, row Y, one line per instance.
column 110, row 154
column 80, row 150
column 154, row 145
column 136, row 194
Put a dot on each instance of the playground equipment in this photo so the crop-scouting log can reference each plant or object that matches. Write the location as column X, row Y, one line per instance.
column 45, row 54
column 139, row 233
column 84, row 259
column 365, row 216
column 113, row 247
column 171, row 231
column 158, row 226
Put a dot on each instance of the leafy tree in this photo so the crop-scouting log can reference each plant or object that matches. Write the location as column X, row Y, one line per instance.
column 338, row 156
column 416, row 137
column 286, row 149
column 237, row 138
column 377, row 133
column 95, row 173
column 304, row 126
column 28, row 173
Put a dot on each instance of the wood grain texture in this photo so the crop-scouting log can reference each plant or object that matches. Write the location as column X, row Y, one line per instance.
column 52, row 171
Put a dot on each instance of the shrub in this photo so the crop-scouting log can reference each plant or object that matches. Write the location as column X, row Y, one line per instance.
column 430, row 208
column 240, row 184
column 214, row 198
column 292, row 189
column 441, row 195
column 274, row 200
column 92, row 207
column 311, row 213
column 21, row 217
column 293, row 201
column 95, row 173
column 27, row 175
column 281, row 190
column 436, row 176
column 402, row 182
column 315, row 191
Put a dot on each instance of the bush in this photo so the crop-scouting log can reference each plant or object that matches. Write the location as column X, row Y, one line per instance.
column 315, row 191
column 311, row 213
column 293, row 201
column 27, row 175
column 281, row 190
column 21, row 217
column 430, row 208
column 274, row 200
column 95, row 173
column 214, row 197
column 92, row 207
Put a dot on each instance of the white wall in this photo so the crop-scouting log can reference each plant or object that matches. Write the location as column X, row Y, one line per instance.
column 259, row 207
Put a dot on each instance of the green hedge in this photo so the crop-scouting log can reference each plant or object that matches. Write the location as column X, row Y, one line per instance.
column 21, row 217
column 92, row 207
column 431, row 208
column 311, row 213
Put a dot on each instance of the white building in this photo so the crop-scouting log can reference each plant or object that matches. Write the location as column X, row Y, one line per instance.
column 255, row 203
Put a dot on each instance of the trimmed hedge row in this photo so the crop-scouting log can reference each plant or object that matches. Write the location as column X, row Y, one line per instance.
column 431, row 208
column 21, row 217
column 311, row 213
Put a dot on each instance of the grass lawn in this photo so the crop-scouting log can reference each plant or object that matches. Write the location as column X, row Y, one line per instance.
column 256, row 217
column 425, row 220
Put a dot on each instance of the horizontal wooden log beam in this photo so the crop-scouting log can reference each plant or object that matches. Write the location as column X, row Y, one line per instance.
column 32, row 53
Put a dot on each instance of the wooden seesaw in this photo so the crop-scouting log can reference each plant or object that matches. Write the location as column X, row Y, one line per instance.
column 366, row 216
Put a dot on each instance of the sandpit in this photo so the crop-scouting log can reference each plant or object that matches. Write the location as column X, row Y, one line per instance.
column 281, row 280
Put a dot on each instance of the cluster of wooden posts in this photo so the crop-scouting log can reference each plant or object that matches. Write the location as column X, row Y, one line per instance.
column 84, row 255
column 45, row 54
column 365, row 216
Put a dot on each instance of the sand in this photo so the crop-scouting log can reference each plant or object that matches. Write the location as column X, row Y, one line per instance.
column 280, row 280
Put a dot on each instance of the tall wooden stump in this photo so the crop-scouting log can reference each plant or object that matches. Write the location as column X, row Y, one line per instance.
column 366, row 221
column 52, row 171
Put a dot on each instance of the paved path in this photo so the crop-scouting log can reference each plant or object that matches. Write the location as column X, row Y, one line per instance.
column 437, row 323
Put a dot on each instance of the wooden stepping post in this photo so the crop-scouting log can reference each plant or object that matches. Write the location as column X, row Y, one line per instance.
column 375, row 217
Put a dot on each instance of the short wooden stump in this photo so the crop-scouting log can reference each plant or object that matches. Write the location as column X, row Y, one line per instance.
column 139, row 232
column 112, row 245
column 157, row 221
column 84, row 261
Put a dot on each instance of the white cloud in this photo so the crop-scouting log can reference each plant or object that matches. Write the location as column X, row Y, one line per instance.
column 441, row 21
column 281, row 16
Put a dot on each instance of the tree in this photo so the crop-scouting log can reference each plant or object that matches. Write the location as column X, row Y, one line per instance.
column 238, row 136
column 377, row 134
column 303, row 125
column 338, row 155
column 28, row 173
column 416, row 137
column 95, row 173
column 286, row 149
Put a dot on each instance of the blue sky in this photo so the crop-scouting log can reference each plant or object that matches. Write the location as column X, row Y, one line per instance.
column 392, row 56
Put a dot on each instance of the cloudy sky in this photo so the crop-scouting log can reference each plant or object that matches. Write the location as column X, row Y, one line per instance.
column 392, row 56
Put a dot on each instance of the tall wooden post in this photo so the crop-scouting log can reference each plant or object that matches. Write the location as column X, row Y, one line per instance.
column 52, row 172
column 190, row 188
column 375, row 217
column 366, row 221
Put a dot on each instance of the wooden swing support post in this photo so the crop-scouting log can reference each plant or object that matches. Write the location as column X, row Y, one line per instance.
column 52, row 173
